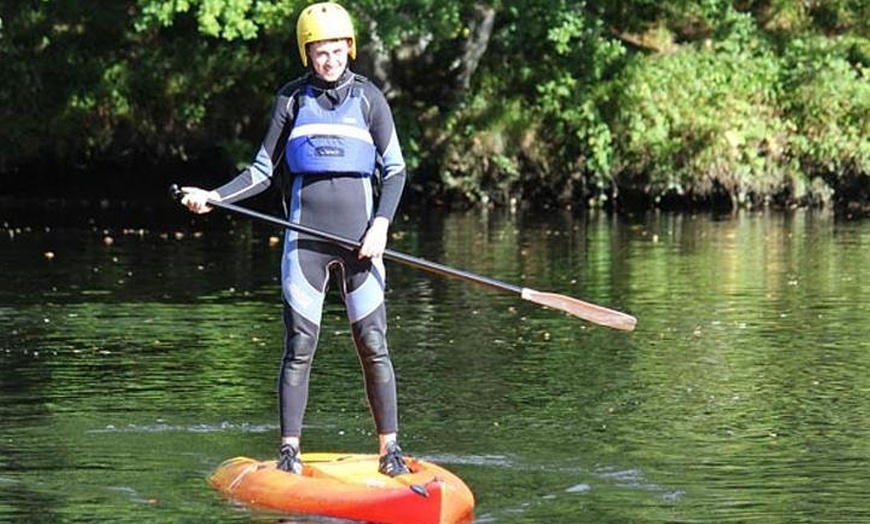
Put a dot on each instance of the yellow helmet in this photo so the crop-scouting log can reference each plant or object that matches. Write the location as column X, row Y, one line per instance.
column 324, row 21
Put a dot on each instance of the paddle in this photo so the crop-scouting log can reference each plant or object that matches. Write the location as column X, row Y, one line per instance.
column 578, row 308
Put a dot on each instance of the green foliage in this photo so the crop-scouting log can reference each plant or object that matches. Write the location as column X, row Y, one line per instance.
column 478, row 164
column 703, row 120
column 578, row 99
column 246, row 19
column 551, row 126
column 829, row 104
column 571, row 101
column 227, row 19
column 80, row 88
column 726, row 114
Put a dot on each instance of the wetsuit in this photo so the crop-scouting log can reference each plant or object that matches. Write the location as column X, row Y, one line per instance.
column 329, row 135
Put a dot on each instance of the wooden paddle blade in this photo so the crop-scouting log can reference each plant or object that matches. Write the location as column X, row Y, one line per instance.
column 593, row 313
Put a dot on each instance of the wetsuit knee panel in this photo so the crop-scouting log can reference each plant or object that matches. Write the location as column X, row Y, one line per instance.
column 375, row 358
column 298, row 354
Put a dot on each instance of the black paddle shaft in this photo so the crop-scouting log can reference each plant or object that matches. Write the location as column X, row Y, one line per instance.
column 417, row 262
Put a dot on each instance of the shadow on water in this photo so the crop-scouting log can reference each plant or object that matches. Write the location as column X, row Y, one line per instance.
column 134, row 359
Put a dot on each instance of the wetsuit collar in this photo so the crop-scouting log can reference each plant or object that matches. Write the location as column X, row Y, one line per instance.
column 335, row 92
column 345, row 78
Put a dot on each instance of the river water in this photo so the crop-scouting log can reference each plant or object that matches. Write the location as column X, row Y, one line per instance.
column 136, row 354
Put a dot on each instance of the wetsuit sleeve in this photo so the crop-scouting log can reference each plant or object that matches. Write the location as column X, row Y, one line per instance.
column 257, row 177
column 383, row 131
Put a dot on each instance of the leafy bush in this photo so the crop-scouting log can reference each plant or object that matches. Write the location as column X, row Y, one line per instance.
column 537, row 121
column 828, row 102
column 700, row 121
column 703, row 121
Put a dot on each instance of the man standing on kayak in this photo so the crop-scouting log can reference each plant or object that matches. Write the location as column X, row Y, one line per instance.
column 330, row 128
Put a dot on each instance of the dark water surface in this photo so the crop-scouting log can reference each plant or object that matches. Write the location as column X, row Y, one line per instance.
column 136, row 355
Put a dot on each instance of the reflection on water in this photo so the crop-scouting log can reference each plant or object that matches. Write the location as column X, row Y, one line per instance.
column 131, row 367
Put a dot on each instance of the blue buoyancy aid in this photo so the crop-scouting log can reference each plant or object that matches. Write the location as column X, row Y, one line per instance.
column 325, row 141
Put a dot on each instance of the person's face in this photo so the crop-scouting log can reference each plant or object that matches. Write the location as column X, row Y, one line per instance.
column 329, row 58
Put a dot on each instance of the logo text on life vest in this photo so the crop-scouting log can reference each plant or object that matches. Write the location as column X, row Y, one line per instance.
column 330, row 151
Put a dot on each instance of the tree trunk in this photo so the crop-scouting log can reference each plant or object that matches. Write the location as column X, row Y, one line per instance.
column 411, row 71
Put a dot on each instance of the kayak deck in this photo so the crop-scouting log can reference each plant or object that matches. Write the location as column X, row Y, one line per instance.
column 348, row 486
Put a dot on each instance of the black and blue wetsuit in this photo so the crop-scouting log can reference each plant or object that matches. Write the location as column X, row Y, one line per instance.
column 329, row 136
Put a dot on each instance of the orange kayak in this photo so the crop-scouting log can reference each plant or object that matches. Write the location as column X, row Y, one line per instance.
column 349, row 486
